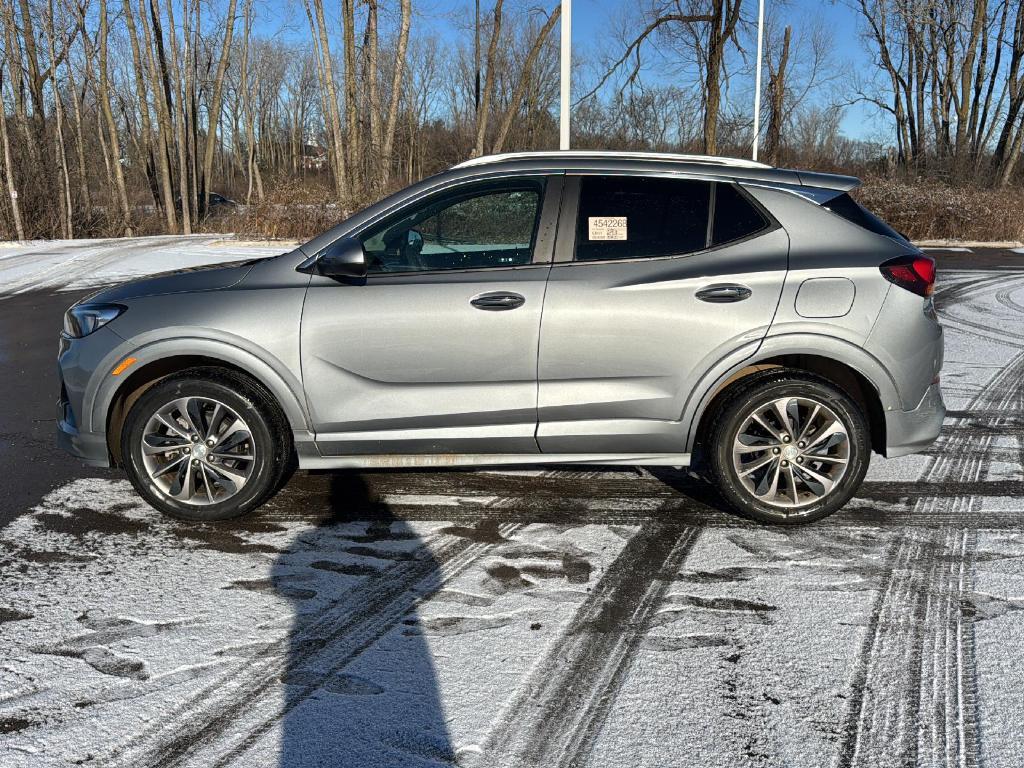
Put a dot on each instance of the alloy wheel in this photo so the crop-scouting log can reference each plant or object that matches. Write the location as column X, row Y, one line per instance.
column 791, row 452
column 198, row 451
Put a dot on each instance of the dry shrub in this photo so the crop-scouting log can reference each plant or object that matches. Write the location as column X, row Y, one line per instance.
column 291, row 210
column 932, row 210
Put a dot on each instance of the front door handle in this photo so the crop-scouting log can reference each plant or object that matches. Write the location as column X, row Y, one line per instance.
column 724, row 294
column 498, row 301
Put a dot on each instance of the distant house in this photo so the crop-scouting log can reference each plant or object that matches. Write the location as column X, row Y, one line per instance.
column 314, row 157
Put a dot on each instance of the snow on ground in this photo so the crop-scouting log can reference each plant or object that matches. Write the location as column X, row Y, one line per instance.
column 80, row 264
column 473, row 625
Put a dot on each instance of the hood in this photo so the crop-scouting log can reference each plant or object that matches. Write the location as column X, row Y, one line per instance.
column 192, row 280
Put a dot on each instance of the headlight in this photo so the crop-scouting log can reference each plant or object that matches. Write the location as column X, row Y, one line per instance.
column 83, row 319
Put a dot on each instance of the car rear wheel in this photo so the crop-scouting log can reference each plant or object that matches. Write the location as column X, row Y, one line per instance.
column 205, row 445
column 788, row 447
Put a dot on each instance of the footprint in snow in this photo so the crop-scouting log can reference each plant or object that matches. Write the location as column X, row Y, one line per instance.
column 462, row 598
column 980, row 606
column 102, row 660
column 339, row 684
column 269, row 587
column 685, row 642
column 11, row 614
column 458, row 625
column 346, row 569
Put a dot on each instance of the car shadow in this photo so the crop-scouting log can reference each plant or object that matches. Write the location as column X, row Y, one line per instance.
column 360, row 687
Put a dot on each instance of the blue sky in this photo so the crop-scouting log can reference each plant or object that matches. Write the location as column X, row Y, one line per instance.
column 451, row 19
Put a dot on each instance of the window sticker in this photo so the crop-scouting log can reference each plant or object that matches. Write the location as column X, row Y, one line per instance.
column 607, row 227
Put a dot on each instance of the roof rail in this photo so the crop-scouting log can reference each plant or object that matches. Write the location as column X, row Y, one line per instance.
column 611, row 155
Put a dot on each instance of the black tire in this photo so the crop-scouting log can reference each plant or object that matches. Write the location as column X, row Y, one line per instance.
column 759, row 390
column 267, row 426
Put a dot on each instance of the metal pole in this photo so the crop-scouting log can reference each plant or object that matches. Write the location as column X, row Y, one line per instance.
column 757, row 78
column 563, row 117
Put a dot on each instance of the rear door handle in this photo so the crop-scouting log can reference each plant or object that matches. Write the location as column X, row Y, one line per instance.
column 724, row 294
column 498, row 301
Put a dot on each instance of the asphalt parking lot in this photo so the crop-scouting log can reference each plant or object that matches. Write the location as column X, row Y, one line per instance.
column 551, row 617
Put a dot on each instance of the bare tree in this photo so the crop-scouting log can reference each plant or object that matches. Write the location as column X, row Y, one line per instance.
column 329, row 94
column 776, row 96
column 112, row 130
column 11, row 184
column 215, row 102
column 523, row 79
column 484, row 111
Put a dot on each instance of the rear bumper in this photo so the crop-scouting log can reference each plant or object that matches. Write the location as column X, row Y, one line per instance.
column 911, row 431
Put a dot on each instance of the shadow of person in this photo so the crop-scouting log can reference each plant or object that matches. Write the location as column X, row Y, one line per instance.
column 359, row 687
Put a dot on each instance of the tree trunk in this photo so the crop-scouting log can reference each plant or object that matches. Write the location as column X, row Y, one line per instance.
column 524, row 78
column 396, row 94
column 179, row 127
column 355, row 155
column 12, row 188
column 776, row 101
column 329, row 97
column 725, row 15
column 485, row 97
column 66, row 206
column 215, row 104
column 161, row 98
column 108, row 115
column 370, row 43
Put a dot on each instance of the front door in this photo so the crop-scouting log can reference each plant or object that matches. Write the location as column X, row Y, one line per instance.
column 654, row 280
column 436, row 350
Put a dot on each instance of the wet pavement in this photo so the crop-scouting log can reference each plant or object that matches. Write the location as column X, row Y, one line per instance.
column 552, row 616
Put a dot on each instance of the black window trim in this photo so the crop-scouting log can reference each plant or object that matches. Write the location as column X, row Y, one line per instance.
column 542, row 239
column 565, row 245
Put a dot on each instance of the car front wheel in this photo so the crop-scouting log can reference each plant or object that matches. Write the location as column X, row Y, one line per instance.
column 789, row 447
column 204, row 445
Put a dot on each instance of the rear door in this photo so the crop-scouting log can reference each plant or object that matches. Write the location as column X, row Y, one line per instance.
column 655, row 279
column 436, row 350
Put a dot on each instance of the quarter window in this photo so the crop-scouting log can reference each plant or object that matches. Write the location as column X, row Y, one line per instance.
column 483, row 227
column 623, row 217
column 735, row 216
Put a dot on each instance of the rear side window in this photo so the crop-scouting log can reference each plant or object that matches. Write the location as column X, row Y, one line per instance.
column 630, row 217
column 845, row 206
column 735, row 216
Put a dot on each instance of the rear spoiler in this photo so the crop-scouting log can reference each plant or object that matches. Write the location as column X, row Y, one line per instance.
column 817, row 187
column 836, row 181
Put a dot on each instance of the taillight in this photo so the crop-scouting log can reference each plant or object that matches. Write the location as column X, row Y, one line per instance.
column 915, row 273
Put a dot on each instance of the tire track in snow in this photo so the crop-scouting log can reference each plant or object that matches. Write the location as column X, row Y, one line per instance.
column 87, row 260
column 949, row 295
column 1001, row 287
column 229, row 714
column 914, row 688
column 560, row 709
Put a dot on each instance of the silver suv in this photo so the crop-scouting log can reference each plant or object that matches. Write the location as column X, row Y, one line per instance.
column 568, row 308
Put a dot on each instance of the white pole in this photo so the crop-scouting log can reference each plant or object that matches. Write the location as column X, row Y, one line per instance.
column 563, row 116
column 757, row 78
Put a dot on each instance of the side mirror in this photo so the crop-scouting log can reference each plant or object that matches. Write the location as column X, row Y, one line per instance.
column 342, row 258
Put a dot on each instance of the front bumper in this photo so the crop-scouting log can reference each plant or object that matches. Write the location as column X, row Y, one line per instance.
column 77, row 362
column 89, row 447
column 911, row 431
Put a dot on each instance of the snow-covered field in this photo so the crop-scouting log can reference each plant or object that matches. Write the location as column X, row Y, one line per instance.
column 544, row 618
column 81, row 264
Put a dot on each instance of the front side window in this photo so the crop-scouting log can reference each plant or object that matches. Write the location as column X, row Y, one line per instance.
column 629, row 217
column 485, row 226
